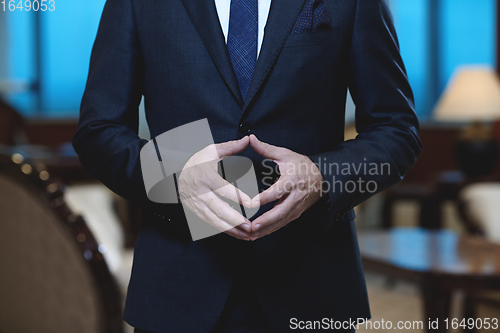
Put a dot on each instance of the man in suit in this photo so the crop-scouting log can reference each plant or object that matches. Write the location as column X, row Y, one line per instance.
column 271, row 78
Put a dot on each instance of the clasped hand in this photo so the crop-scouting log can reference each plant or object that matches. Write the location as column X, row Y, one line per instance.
column 201, row 189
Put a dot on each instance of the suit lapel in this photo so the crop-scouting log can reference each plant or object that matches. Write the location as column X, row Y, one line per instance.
column 282, row 17
column 205, row 19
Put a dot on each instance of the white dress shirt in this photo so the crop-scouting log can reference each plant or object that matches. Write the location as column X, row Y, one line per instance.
column 223, row 8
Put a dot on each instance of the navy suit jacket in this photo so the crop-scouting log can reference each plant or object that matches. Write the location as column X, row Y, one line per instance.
column 173, row 53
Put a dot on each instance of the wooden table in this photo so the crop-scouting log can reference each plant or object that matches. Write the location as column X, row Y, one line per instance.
column 440, row 262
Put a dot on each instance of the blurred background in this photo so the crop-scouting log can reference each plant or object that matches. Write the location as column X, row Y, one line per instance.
column 430, row 245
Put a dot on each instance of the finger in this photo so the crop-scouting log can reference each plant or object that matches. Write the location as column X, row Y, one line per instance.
column 271, row 228
column 212, row 219
column 277, row 214
column 266, row 150
column 227, row 190
column 210, row 208
column 230, row 148
column 227, row 214
column 236, row 233
column 206, row 213
column 277, row 191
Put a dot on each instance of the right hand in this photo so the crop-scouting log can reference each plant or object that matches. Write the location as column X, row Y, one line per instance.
column 201, row 186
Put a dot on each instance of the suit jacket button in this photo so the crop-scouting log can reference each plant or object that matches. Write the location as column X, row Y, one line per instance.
column 244, row 129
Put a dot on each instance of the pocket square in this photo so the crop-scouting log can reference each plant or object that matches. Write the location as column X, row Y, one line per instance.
column 314, row 16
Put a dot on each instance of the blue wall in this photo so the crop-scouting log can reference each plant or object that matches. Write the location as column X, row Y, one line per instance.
column 68, row 34
column 467, row 36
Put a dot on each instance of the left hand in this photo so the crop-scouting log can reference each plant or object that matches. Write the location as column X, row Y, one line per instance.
column 297, row 189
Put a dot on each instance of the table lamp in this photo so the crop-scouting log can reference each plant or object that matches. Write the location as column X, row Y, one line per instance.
column 472, row 96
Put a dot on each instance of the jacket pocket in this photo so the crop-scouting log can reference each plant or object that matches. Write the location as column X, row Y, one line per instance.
column 319, row 37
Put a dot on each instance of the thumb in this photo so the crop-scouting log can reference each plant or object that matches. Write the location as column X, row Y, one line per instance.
column 266, row 150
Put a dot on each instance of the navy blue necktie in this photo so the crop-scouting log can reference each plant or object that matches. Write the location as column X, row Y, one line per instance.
column 242, row 40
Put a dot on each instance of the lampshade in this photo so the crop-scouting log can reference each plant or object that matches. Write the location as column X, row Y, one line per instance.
column 472, row 94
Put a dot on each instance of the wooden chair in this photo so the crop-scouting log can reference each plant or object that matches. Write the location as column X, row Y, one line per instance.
column 53, row 277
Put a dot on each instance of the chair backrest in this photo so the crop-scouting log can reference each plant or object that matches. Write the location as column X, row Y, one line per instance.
column 52, row 276
column 481, row 205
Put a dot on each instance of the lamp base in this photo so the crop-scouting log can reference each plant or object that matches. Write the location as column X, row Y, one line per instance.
column 477, row 157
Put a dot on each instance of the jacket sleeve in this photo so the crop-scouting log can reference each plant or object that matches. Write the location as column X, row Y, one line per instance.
column 106, row 140
column 387, row 144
